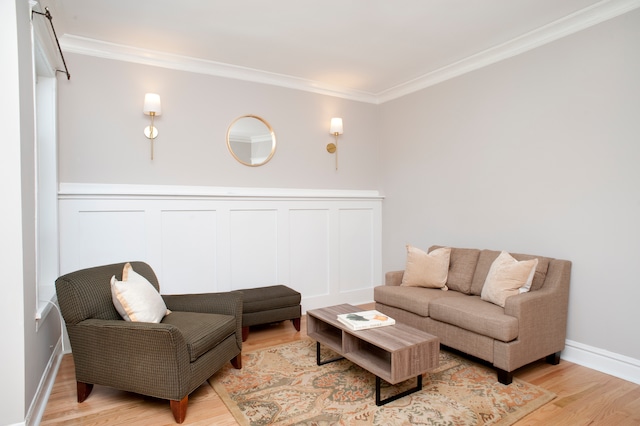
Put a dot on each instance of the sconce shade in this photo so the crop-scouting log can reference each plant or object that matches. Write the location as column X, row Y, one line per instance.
column 152, row 104
column 336, row 126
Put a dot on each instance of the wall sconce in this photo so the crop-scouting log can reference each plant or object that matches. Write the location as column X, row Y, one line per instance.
column 335, row 130
column 152, row 107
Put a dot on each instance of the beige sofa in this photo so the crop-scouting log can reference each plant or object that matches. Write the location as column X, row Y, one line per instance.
column 531, row 326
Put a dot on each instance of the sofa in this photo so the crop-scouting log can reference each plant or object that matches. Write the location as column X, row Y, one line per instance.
column 530, row 326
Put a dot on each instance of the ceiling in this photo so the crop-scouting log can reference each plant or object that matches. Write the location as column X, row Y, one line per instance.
column 370, row 50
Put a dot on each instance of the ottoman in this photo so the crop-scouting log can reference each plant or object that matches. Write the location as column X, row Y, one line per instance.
column 265, row 305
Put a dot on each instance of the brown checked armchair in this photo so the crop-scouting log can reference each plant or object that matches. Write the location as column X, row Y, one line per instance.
column 166, row 360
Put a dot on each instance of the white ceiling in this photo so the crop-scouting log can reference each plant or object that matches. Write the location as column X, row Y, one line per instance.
column 369, row 50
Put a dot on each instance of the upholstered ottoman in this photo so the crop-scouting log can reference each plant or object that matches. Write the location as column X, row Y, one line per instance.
column 265, row 305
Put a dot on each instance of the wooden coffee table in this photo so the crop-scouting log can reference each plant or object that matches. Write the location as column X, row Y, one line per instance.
column 393, row 353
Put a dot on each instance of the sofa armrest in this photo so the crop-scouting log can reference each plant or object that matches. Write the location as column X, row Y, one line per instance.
column 101, row 348
column 542, row 314
column 227, row 303
column 393, row 278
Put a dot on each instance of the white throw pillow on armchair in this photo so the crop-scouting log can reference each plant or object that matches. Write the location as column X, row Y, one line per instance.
column 136, row 299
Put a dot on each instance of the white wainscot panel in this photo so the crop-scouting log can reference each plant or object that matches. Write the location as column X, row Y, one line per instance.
column 356, row 249
column 109, row 237
column 309, row 252
column 253, row 248
column 323, row 243
column 188, row 251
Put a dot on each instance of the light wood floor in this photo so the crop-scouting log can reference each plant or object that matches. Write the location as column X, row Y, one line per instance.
column 584, row 396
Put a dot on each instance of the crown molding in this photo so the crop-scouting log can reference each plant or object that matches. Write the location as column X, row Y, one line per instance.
column 120, row 52
column 570, row 24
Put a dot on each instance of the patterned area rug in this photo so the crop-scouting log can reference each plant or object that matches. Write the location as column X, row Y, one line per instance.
column 282, row 385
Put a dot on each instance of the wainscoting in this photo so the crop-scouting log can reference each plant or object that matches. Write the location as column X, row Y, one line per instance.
column 324, row 244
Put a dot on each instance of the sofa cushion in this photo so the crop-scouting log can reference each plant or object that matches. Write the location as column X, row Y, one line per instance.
column 541, row 270
column 473, row 314
column 507, row 277
column 411, row 299
column 201, row 332
column 426, row 269
column 462, row 265
column 486, row 258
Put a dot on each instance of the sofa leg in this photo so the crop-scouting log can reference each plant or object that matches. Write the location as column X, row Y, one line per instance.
column 504, row 377
column 237, row 361
column 179, row 409
column 296, row 323
column 83, row 390
column 553, row 359
column 245, row 333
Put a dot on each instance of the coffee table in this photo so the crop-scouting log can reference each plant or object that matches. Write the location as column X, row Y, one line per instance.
column 393, row 353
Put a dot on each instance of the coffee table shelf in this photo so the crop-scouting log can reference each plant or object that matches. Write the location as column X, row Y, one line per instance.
column 393, row 353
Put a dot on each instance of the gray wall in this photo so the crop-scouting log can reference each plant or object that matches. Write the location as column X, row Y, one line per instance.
column 536, row 154
column 102, row 141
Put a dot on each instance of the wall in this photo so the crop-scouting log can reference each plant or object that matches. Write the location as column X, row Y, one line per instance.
column 102, row 141
column 536, row 154
column 11, row 304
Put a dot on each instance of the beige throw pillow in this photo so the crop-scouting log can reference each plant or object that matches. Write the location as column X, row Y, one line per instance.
column 507, row 277
column 136, row 299
column 427, row 269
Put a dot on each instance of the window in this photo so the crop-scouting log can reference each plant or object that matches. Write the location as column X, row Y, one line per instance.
column 46, row 162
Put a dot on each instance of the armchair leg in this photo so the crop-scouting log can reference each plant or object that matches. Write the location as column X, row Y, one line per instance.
column 83, row 390
column 179, row 409
column 237, row 361
column 296, row 323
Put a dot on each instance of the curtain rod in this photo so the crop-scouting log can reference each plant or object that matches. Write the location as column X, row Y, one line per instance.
column 47, row 14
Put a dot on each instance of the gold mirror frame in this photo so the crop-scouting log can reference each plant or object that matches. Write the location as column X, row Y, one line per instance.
column 251, row 140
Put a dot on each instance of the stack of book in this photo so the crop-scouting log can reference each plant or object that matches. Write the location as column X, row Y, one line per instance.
column 365, row 319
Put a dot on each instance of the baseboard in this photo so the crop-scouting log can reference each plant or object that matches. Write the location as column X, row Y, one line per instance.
column 617, row 365
column 39, row 403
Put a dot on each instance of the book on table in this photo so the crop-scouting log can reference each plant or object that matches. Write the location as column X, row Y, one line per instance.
column 365, row 319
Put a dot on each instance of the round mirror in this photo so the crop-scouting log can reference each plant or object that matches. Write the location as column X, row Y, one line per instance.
column 251, row 140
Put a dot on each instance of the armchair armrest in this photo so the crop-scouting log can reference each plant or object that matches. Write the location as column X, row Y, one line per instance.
column 121, row 354
column 226, row 303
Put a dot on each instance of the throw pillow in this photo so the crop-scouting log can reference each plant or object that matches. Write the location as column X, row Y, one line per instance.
column 136, row 299
column 507, row 277
column 427, row 269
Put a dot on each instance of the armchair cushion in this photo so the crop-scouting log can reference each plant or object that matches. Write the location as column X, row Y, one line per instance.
column 136, row 299
column 201, row 332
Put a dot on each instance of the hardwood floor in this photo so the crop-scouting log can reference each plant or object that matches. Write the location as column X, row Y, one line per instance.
column 584, row 396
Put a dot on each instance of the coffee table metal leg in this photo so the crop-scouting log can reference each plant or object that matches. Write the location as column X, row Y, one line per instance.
column 398, row 396
column 327, row 361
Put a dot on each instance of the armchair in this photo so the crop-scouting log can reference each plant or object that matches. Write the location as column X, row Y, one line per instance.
column 167, row 360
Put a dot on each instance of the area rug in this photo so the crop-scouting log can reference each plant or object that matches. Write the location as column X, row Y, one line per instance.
column 282, row 385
